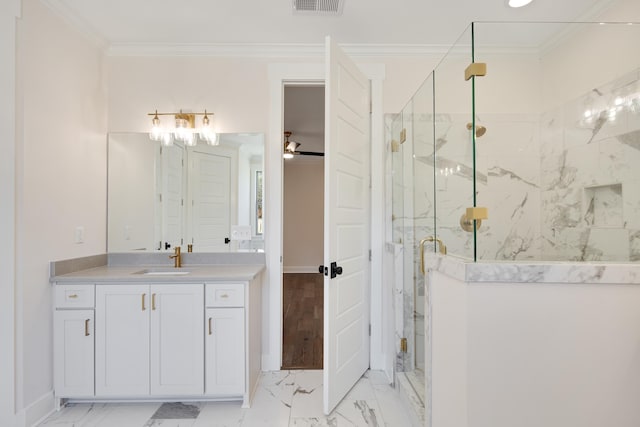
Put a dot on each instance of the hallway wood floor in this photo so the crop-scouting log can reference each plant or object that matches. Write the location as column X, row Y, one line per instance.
column 302, row 319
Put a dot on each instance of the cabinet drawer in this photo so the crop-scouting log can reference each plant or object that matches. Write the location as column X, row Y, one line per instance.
column 74, row 296
column 224, row 295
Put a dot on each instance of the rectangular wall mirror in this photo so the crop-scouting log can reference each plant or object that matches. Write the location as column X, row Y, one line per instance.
column 161, row 197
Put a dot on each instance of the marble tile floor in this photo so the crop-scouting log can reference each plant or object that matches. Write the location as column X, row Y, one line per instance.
column 283, row 399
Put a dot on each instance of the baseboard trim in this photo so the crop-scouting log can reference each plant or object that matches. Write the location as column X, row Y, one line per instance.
column 269, row 363
column 300, row 269
column 36, row 412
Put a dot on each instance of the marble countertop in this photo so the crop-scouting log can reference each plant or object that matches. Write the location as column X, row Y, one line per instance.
column 129, row 274
column 534, row 272
column 128, row 268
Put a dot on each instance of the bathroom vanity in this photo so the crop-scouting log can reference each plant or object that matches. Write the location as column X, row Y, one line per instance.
column 157, row 332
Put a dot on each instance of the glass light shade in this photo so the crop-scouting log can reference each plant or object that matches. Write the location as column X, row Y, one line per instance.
column 519, row 3
column 156, row 130
column 190, row 139
column 291, row 146
column 167, row 139
column 181, row 131
column 287, row 155
column 212, row 138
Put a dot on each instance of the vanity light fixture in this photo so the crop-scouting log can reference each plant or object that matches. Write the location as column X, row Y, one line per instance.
column 518, row 3
column 185, row 130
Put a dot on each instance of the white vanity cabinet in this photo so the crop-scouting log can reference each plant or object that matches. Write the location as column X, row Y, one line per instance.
column 225, row 340
column 149, row 340
column 119, row 336
column 73, row 328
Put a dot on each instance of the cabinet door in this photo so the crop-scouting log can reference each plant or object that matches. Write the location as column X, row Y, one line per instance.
column 177, row 347
column 122, row 340
column 225, row 355
column 73, row 353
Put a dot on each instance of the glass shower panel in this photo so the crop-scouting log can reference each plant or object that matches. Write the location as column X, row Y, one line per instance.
column 561, row 112
column 423, row 221
column 453, row 149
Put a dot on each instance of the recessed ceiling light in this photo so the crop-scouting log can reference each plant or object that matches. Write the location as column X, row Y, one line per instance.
column 519, row 3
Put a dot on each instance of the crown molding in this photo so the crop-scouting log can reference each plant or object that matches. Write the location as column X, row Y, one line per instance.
column 59, row 8
column 267, row 50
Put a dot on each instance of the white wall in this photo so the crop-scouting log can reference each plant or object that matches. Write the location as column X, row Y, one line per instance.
column 303, row 240
column 60, row 183
column 591, row 57
column 9, row 10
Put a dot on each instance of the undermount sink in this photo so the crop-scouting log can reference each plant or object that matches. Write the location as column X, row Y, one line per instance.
column 162, row 272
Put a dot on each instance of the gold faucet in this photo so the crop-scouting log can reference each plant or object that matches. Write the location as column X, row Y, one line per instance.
column 177, row 258
column 441, row 247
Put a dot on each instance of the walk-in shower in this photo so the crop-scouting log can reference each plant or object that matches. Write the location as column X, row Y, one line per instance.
column 543, row 149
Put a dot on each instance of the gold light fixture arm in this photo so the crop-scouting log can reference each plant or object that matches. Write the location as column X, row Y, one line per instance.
column 441, row 246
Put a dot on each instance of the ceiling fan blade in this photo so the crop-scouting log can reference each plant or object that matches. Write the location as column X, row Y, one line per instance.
column 309, row 153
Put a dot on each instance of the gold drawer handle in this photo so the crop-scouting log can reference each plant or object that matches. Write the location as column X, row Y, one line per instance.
column 86, row 327
column 224, row 296
column 72, row 296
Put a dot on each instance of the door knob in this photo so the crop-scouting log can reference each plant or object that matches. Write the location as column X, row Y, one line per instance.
column 321, row 269
column 335, row 270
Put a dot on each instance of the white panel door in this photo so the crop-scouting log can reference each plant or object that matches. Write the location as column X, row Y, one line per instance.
column 177, row 346
column 73, row 352
column 225, row 351
column 210, row 204
column 172, row 195
column 346, row 230
column 122, row 340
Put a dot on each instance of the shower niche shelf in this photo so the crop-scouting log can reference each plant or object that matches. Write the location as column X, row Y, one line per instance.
column 604, row 206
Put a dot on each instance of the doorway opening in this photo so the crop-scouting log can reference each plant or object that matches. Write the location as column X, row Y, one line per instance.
column 303, row 227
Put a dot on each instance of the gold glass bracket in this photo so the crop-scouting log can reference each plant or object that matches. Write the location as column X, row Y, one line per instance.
column 441, row 246
column 403, row 345
column 403, row 135
column 475, row 69
column 471, row 214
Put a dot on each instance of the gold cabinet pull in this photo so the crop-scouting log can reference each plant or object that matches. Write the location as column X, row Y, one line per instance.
column 153, row 301
column 73, row 296
column 210, row 326
column 144, row 296
column 86, row 327
column 224, row 296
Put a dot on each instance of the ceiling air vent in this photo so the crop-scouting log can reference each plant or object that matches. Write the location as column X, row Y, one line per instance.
column 318, row 7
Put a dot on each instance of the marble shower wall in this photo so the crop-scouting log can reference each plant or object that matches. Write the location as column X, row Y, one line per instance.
column 590, row 151
column 559, row 186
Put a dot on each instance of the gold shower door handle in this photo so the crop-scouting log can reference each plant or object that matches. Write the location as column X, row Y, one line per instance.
column 422, row 242
column 210, row 326
column 442, row 248
column 86, row 327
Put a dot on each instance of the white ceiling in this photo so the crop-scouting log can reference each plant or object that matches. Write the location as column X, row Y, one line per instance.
column 422, row 22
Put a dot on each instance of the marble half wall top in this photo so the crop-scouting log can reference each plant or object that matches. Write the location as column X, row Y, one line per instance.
column 534, row 272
